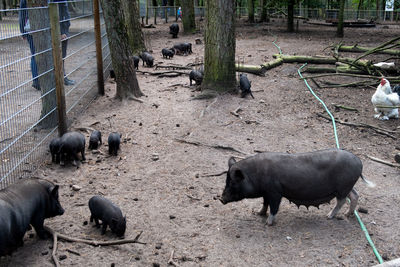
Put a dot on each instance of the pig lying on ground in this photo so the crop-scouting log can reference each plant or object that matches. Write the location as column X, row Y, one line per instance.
column 308, row 179
column 109, row 214
column 25, row 203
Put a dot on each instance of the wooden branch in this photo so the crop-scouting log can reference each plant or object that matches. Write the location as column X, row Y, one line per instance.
column 378, row 48
column 384, row 162
column 254, row 69
column 351, row 75
column 318, row 59
column 86, row 241
column 353, row 84
column 204, row 110
column 345, row 107
column 171, row 259
column 135, row 99
column 221, row 147
column 273, row 63
column 174, row 67
column 54, row 252
column 363, row 125
column 157, row 73
column 359, row 49
column 214, row 174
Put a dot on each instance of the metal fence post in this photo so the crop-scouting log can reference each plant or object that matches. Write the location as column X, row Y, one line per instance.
column 58, row 68
column 99, row 54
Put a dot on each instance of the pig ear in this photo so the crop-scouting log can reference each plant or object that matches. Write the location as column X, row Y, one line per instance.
column 54, row 192
column 239, row 175
column 231, row 161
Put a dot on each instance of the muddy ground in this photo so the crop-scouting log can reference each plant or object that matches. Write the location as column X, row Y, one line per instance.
column 173, row 201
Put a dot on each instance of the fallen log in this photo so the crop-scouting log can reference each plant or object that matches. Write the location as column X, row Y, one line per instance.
column 273, row 63
column 254, row 69
column 359, row 49
column 320, row 60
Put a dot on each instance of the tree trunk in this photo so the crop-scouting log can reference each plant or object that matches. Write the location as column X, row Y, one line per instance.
column 377, row 10
column 250, row 7
column 264, row 12
column 188, row 19
column 121, row 54
column 219, row 51
column 39, row 19
column 290, row 25
column 360, row 3
column 340, row 31
column 135, row 34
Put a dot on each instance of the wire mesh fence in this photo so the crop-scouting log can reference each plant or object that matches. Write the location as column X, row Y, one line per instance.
column 28, row 110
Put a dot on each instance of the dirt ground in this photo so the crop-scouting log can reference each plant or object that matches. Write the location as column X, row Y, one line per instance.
column 162, row 185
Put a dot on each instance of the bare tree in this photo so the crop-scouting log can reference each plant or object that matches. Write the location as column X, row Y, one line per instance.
column 219, row 52
column 121, row 53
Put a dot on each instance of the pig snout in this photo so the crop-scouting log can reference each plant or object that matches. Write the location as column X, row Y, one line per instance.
column 223, row 201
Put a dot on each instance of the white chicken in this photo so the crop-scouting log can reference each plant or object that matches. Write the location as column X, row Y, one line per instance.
column 384, row 96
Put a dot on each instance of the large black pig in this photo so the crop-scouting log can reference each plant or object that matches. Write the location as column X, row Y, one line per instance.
column 308, row 179
column 174, row 30
column 28, row 202
column 71, row 144
column 109, row 214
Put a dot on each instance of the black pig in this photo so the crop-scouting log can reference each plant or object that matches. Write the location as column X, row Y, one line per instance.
column 71, row 144
column 109, row 214
column 197, row 76
column 136, row 62
column 114, row 139
column 174, row 30
column 245, row 85
column 28, row 202
column 147, row 58
column 188, row 48
column 308, row 179
column 168, row 53
column 55, row 149
column 95, row 140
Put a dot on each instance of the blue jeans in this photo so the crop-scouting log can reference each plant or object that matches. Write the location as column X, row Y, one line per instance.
column 34, row 69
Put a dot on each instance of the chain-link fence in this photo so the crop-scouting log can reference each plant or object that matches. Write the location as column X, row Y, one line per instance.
column 28, row 103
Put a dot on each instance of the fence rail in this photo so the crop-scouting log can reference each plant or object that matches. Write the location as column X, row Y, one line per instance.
column 28, row 103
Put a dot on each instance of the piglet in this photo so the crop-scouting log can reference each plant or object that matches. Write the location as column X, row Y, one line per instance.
column 109, row 214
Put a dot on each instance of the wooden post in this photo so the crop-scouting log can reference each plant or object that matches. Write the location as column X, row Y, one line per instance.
column 166, row 14
column 176, row 13
column 147, row 12
column 58, row 67
column 99, row 53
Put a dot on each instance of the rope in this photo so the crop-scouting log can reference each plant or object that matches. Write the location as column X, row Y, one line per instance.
column 322, row 102
column 364, row 229
column 367, row 236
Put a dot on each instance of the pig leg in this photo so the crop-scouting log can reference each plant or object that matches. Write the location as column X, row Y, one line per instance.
column 104, row 228
column 274, row 203
column 263, row 211
column 339, row 204
column 37, row 224
column 83, row 154
column 353, row 195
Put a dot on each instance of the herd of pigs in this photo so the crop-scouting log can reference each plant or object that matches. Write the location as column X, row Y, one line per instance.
column 309, row 179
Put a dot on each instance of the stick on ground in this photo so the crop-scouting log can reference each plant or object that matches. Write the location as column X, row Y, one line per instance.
column 57, row 236
column 384, row 162
column 212, row 146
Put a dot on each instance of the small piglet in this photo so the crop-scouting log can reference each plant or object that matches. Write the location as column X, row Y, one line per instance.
column 95, row 140
column 54, row 146
column 114, row 139
column 109, row 214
